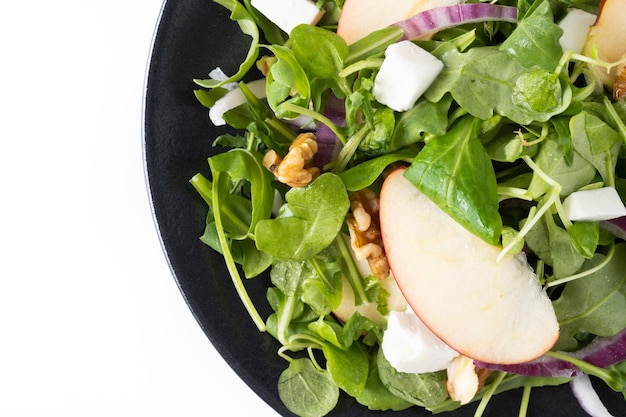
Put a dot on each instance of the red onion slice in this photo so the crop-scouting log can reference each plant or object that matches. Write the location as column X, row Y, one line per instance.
column 587, row 397
column 602, row 352
column 328, row 145
column 424, row 24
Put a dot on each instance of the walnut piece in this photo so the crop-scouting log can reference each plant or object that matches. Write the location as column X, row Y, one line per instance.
column 296, row 168
column 364, row 227
column 465, row 379
column 619, row 87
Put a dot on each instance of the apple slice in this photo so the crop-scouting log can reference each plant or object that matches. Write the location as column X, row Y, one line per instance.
column 608, row 35
column 488, row 311
column 361, row 17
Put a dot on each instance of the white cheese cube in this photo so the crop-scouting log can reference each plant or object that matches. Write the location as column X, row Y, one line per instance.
column 287, row 14
column 411, row 347
column 233, row 99
column 575, row 27
column 406, row 73
column 594, row 205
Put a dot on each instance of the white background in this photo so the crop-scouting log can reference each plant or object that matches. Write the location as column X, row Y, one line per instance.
column 91, row 321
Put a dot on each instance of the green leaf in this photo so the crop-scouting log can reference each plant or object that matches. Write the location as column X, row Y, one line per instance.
column 375, row 396
column 455, row 172
column 535, row 40
column 566, row 259
column 348, row 368
column 307, row 391
column 373, row 44
column 486, row 80
column 594, row 304
column 286, row 77
column 320, row 52
column 318, row 211
column 248, row 26
column 571, row 175
column 423, row 118
column 425, row 390
column 243, row 165
column 585, row 237
column 366, row 173
column 597, row 142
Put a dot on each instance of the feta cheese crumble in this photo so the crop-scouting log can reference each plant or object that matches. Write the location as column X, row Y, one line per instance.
column 406, row 73
column 287, row 14
column 594, row 205
column 411, row 347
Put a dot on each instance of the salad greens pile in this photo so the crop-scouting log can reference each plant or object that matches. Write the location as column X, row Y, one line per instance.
column 511, row 127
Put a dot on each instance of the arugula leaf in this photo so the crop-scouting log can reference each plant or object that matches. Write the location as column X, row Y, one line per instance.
column 366, row 173
column 248, row 26
column 424, row 118
column 455, row 172
column 244, row 165
column 425, row 390
column 348, row 368
column 376, row 396
column 286, row 77
column 320, row 52
column 594, row 304
column 597, row 142
column 318, row 212
column 487, row 80
column 535, row 40
column 571, row 175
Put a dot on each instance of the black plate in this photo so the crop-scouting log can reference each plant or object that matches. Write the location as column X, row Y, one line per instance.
column 193, row 37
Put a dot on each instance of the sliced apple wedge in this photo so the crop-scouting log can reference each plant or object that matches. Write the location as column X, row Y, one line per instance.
column 608, row 36
column 361, row 17
column 488, row 311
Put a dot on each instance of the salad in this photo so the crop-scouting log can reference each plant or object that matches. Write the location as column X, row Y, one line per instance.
column 434, row 189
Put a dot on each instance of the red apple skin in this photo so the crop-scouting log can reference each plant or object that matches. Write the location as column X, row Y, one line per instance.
column 496, row 313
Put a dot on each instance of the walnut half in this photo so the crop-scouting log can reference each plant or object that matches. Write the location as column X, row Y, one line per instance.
column 296, row 168
column 364, row 228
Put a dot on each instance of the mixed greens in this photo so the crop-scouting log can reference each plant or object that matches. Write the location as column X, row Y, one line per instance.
column 512, row 126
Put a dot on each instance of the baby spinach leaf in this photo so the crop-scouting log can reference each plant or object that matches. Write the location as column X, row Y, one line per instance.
column 455, row 172
column 535, row 40
column 318, row 211
column 594, row 304
column 307, row 391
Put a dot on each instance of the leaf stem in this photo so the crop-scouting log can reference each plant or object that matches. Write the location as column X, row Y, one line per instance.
column 228, row 257
column 583, row 274
column 487, row 397
column 352, row 272
column 315, row 116
column 523, row 409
